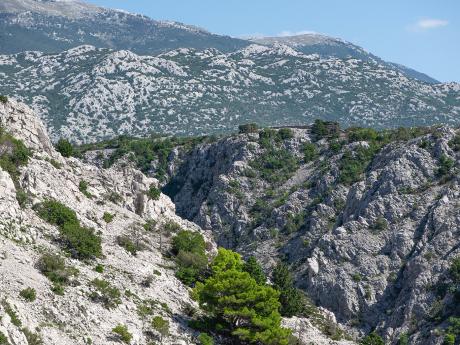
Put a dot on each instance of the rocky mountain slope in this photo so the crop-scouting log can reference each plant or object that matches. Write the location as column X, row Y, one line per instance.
column 52, row 291
column 327, row 47
column 54, row 26
column 368, row 221
column 87, row 94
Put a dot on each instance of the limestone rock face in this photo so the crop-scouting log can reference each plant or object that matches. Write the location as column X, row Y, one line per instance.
column 375, row 252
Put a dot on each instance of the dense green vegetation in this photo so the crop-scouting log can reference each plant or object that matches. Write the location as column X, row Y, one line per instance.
column 3, row 99
column 81, row 242
column 238, row 305
column 292, row 300
column 372, row 339
column 64, row 147
column 149, row 154
column 13, row 155
column 255, row 270
column 189, row 249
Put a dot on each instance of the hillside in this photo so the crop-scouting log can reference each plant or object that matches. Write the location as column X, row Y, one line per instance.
column 54, row 26
column 367, row 221
column 327, row 47
column 88, row 94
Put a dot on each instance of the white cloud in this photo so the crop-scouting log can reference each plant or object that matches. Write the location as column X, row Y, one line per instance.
column 428, row 24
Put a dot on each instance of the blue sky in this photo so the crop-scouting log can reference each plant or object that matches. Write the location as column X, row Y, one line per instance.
column 423, row 34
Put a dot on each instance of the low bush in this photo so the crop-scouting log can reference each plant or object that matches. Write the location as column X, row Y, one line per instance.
column 82, row 242
column 275, row 165
column 445, row 165
column 83, row 187
column 104, row 293
column 54, row 268
column 123, row 333
column 362, row 134
column 248, row 128
column 354, row 164
column 309, row 152
column 32, row 337
column 205, row 339
column 189, row 249
column 161, row 326
column 130, row 246
column 64, row 147
column 153, row 193
column 29, row 294
column 3, row 339
column 13, row 154
column 108, row 217
column 325, row 129
column 372, row 339
column 3, row 99
column 285, row 133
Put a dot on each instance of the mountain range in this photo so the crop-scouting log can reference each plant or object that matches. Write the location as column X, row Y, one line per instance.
column 124, row 73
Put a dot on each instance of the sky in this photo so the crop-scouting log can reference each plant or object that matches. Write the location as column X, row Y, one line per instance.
column 421, row 34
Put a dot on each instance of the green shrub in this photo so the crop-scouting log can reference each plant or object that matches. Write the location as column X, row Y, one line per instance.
column 276, row 165
column 403, row 339
column 82, row 242
column 3, row 339
column 362, row 134
column 56, row 213
column 285, row 133
column 353, row 164
column 188, row 241
column 380, row 224
column 99, row 268
column 130, row 246
column 104, row 293
column 449, row 339
column 189, row 249
column 32, row 337
column 372, row 339
column 64, row 147
column 22, row 197
column 356, row 277
column 83, row 187
column 309, row 152
column 108, row 217
column 29, row 294
column 161, row 326
column 205, row 339
column 14, row 155
column 248, row 128
column 455, row 143
column 291, row 298
column 54, row 268
column 123, row 332
column 153, row 193
column 255, row 270
column 454, row 269
column 325, row 129
column 3, row 99
column 11, row 313
column 445, row 165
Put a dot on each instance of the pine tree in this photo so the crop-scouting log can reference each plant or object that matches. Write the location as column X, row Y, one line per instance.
column 290, row 297
column 234, row 299
column 255, row 270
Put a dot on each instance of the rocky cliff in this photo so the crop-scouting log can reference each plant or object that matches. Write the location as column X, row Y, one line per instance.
column 368, row 221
